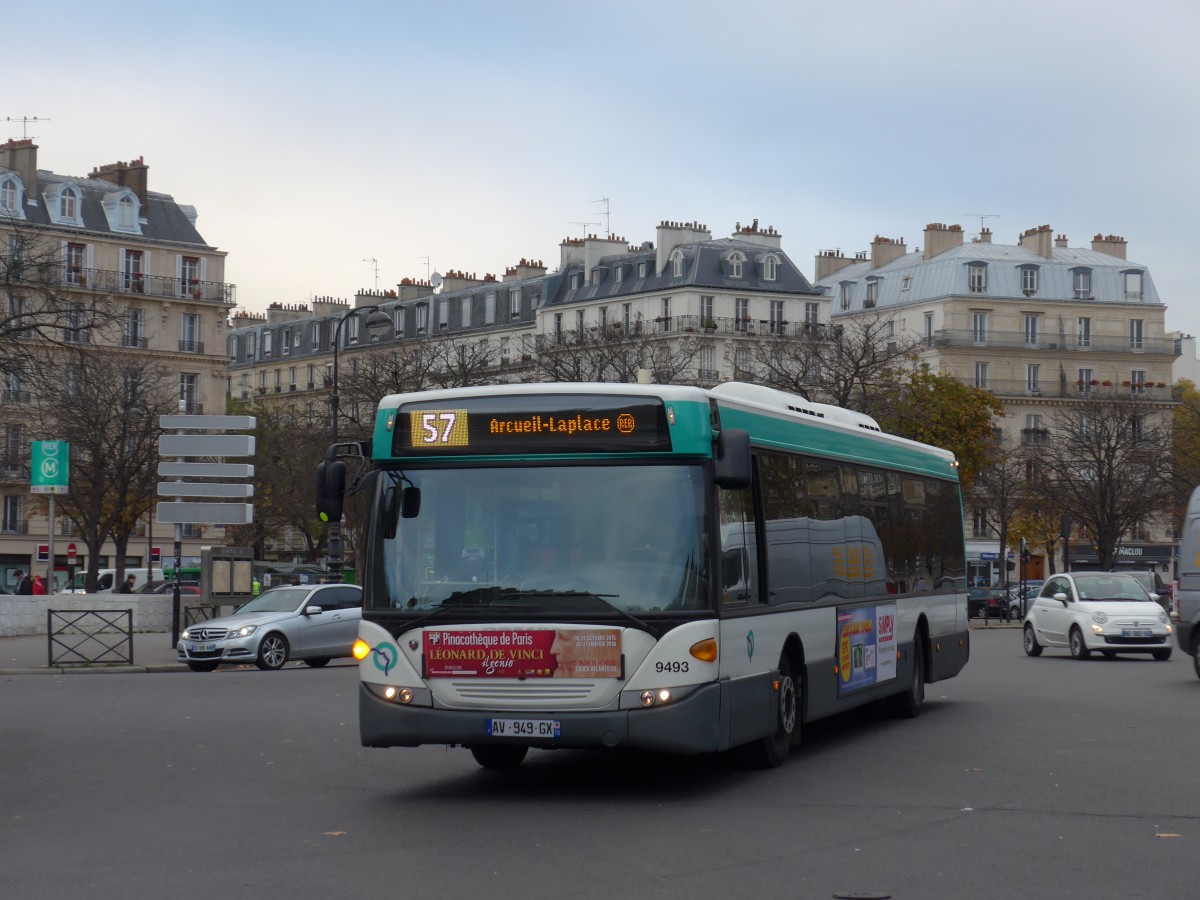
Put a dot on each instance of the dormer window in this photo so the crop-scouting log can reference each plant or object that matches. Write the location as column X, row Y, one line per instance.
column 846, row 288
column 618, row 274
column 11, row 196
column 64, row 204
column 735, row 264
column 1081, row 283
column 125, row 214
column 641, row 270
column 677, row 264
column 872, row 294
column 1133, row 285
column 68, row 203
column 977, row 278
column 770, row 266
column 121, row 210
column 576, row 280
column 1029, row 280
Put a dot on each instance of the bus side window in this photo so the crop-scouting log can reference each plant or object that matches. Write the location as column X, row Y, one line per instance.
column 739, row 552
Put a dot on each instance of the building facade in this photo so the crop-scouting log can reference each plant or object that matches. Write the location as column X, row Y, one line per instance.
column 1039, row 324
column 106, row 248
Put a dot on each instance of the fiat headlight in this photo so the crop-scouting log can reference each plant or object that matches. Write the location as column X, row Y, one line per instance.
column 1099, row 617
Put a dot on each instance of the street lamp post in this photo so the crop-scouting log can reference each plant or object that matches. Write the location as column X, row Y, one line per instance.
column 376, row 319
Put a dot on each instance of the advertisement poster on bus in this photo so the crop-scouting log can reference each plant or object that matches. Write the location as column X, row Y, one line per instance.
column 522, row 653
column 866, row 648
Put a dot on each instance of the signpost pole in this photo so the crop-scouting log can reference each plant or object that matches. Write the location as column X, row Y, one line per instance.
column 50, row 565
column 175, row 600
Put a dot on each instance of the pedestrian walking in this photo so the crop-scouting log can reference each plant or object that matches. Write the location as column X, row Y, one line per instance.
column 24, row 583
column 38, row 588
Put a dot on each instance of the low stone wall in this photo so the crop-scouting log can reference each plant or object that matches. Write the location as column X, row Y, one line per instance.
column 25, row 615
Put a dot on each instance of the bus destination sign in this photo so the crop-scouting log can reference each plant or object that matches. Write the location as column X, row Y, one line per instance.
column 555, row 424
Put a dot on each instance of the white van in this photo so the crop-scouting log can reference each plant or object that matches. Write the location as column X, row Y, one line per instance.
column 1187, row 595
column 104, row 580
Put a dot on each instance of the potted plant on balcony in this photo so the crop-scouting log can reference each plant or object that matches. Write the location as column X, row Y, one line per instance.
column 1106, row 383
column 709, row 326
column 1126, row 384
column 1094, row 382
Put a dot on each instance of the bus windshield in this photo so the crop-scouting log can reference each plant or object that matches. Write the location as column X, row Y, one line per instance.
column 626, row 538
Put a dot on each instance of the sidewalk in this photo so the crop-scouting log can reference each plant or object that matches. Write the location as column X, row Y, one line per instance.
column 152, row 652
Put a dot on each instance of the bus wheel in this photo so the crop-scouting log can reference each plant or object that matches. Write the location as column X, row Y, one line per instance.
column 771, row 751
column 908, row 705
column 494, row 757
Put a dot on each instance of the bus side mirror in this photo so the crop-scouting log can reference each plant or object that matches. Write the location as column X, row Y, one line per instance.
column 733, row 459
column 331, row 488
column 399, row 503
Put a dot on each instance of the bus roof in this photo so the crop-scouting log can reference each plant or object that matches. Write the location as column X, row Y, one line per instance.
column 774, row 419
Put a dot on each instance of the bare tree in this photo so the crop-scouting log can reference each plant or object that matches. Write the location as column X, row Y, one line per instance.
column 1103, row 466
column 289, row 441
column 843, row 364
column 1000, row 490
column 616, row 353
column 106, row 405
column 47, row 297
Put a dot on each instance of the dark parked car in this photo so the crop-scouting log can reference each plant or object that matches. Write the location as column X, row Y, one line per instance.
column 987, row 603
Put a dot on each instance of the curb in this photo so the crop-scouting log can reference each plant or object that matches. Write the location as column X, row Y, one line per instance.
column 94, row 670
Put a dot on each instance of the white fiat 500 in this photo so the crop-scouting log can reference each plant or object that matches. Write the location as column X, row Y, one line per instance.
column 1105, row 612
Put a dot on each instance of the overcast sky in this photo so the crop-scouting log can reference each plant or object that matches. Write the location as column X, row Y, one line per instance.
column 315, row 137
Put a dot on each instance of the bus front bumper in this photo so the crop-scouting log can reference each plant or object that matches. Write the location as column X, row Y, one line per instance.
column 688, row 726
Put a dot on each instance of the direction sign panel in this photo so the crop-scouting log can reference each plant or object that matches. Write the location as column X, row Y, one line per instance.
column 205, row 470
column 206, row 445
column 50, row 467
column 184, row 513
column 216, row 423
column 203, row 489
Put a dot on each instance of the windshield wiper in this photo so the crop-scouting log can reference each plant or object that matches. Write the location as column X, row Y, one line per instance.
column 599, row 598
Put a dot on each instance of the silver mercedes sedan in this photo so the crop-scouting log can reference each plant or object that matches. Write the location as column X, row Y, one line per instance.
column 312, row 623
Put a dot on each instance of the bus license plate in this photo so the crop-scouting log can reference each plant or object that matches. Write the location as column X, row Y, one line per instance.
column 524, row 728
column 203, row 648
column 1137, row 633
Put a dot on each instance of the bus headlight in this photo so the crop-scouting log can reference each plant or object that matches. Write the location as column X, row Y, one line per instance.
column 650, row 698
column 398, row 695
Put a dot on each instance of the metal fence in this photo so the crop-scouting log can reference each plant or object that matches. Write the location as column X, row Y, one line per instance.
column 84, row 637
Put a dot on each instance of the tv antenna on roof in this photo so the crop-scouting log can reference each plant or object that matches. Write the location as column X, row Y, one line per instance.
column 607, row 217
column 24, row 120
column 981, row 217
column 373, row 261
column 426, row 258
column 584, row 226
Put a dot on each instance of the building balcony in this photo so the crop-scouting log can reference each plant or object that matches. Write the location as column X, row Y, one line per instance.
column 1157, row 391
column 1016, row 340
column 191, row 346
column 1034, row 437
column 14, row 528
column 161, row 286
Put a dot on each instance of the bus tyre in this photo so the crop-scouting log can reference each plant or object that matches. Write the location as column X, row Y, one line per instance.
column 1196, row 662
column 1032, row 647
column 908, row 705
column 499, row 757
column 771, row 751
column 273, row 652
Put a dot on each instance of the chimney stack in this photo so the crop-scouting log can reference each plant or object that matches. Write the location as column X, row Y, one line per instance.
column 939, row 238
column 132, row 175
column 885, row 250
column 21, row 157
column 1039, row 241
column 1110, row 244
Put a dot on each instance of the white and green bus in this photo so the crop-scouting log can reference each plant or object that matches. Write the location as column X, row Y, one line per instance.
column 658, row 567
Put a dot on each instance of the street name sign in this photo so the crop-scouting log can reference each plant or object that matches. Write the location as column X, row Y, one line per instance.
column 203, row 489
column 205, row 470
column 206, row 444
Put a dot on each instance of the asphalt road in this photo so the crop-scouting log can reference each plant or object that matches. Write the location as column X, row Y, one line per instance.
column 1023, row 778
